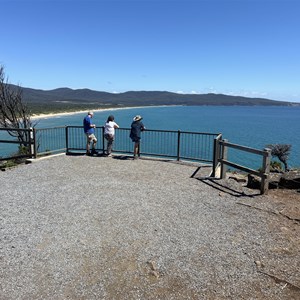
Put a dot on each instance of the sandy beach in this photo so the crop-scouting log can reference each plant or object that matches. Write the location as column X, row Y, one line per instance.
column 41, row 116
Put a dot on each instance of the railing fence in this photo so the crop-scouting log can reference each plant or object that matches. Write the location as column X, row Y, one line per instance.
column 22, row 138
column 263, row 172
column 161, row 143
column 179, row 145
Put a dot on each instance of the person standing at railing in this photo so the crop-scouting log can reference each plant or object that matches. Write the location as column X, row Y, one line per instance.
column 89, row 130
column 135, row 134
column 109, row 133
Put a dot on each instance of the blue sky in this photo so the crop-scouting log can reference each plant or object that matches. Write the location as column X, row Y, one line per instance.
column 235, row 47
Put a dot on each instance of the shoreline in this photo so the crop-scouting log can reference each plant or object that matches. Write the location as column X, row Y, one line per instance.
column 53, row 115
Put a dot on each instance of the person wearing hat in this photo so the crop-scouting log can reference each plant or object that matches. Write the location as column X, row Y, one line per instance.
column 89, row 130
column 109, row 133
column 135, row 134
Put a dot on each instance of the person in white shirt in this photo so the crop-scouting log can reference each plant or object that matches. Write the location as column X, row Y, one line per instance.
column 109, row 133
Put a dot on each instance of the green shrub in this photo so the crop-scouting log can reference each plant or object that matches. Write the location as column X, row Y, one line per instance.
column 275, row 166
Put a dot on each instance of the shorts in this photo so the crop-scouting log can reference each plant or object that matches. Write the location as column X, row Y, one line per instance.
column 135, row 139
column 91, row 138
column 109, row 137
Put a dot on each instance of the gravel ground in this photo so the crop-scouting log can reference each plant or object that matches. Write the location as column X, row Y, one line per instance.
column 78, row 227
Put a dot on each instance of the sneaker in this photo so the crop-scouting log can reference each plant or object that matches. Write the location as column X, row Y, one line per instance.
column 109, row 155
column 88, row 153
column 94, row 152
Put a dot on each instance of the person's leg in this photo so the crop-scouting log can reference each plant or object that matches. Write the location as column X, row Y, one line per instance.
column 94, row 140
column 136, row 149
column 109, row 145
column 88, row 141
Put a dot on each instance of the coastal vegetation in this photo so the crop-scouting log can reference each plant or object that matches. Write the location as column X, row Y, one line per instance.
column 282, row 152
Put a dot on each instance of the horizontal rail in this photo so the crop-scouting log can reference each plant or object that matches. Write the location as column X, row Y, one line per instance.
column 14, row 129
column 243, row 148
column 9, row 142
column 265, row 165
column 242, row 168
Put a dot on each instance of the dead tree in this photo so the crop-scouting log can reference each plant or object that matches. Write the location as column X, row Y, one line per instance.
column 14, row 113
column 282, row 152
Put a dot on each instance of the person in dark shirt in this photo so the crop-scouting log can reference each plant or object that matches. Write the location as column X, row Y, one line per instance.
column 89, row 130
column 135, row 134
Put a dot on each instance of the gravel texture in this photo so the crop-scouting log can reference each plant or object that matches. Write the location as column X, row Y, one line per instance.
column 79, row 227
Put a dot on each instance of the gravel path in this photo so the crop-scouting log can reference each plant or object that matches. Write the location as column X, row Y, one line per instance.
column 78, row 227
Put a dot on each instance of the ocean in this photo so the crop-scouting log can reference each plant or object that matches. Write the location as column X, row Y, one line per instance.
column 252, row 126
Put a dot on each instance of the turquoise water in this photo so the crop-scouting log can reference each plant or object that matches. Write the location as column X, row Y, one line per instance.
column 255, row 126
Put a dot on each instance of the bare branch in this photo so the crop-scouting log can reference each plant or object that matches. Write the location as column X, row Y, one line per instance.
column 13, row 112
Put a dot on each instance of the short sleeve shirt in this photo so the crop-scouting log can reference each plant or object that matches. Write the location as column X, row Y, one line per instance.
column 87, row 121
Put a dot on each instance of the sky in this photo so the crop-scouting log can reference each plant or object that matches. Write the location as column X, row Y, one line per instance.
column 236, row 47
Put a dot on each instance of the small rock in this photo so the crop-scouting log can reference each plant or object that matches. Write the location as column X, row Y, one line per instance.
column 152, row 265
column 155, row 274
column 259, row 264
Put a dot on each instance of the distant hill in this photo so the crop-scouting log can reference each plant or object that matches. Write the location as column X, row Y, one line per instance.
column 66, row 99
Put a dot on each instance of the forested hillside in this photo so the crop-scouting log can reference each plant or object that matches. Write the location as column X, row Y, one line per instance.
column 66, row 99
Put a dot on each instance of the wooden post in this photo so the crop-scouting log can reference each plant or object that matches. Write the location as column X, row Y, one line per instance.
column 224, row 156
column 216, row 154
column 264, row 186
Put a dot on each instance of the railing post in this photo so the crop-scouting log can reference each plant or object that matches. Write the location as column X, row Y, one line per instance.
column 178, row 146
column 224, row 156
column 216, row 154
column 103, row 140
column 34, row 143
column 264, row 187
column 30, row 141
column 67, row 139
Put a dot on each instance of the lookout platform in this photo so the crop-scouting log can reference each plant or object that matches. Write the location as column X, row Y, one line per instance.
column 79, row 227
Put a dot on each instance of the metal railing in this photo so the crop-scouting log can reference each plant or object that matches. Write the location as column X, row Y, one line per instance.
column 179, row 145
column 49, row 140
column 24, row 147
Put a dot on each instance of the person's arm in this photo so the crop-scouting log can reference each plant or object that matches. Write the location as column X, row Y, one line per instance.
column 92, row 125
column 116, row 125
column 89, row 123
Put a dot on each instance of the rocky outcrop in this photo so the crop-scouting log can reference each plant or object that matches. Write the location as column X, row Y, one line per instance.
column 290, row 180
column 287, row 180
